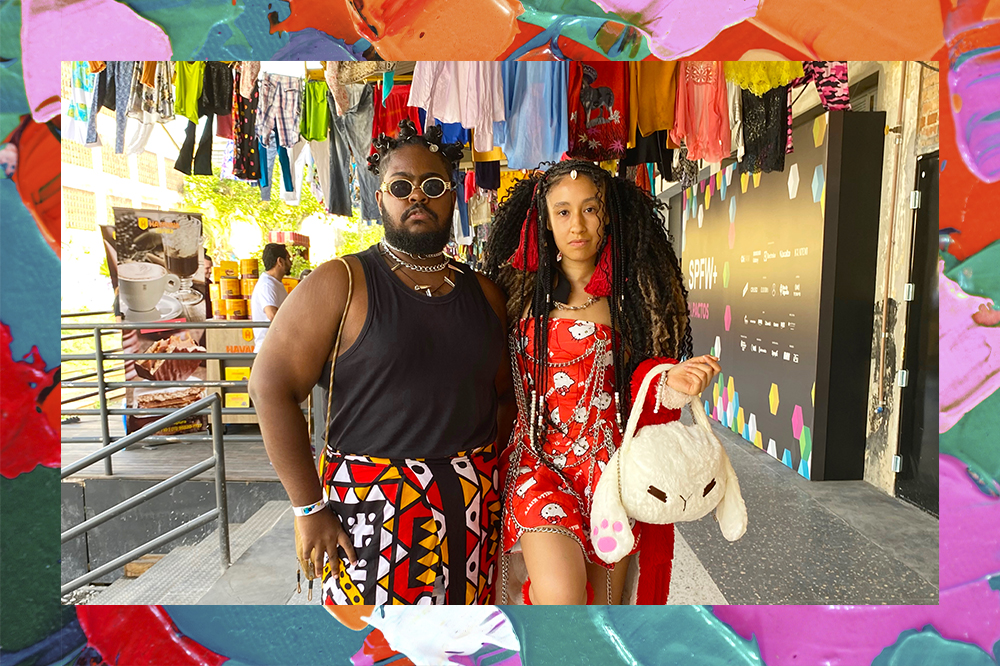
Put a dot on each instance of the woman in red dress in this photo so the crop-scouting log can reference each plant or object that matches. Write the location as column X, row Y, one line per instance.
column 566, row 244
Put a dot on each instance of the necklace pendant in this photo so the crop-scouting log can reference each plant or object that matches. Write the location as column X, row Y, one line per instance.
column 450, row 283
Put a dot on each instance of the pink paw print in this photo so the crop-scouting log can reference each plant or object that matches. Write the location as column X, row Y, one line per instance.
column 609, row 541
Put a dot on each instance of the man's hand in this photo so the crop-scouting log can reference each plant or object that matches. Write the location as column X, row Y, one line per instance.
column 693, row 376
column 322, row 533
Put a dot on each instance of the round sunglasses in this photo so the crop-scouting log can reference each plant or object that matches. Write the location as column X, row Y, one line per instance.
column 401, row 188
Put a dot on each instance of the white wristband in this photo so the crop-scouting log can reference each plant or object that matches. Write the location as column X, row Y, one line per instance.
column 312, row 508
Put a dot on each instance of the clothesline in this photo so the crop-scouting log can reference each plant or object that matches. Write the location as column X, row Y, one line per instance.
column 318, row 119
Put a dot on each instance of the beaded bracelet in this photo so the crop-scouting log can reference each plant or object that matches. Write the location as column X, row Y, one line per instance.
column 312, row 508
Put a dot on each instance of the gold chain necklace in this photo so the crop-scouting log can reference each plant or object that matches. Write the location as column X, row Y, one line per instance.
column 576, row 308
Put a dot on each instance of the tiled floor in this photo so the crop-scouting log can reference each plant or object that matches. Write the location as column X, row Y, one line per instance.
column 809, row 542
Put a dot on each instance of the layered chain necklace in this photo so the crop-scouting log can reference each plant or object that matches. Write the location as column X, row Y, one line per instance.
column 575, row 308
column 391, row 252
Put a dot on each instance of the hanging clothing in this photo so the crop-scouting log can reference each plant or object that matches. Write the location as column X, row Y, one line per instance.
column 702, row 111
column 203, row 157
column 299, row 157
column 686, row 170
column 466, row 92
column 190, row 78
column 114, row 86
column 765, row 130
column 76, row 109
column 650, row 149
column 760, row 76
column 450, row 132
column 598, row 110
column 246, row 161
column 653, row 95
column 535, row 106
column 480, row 208
column 391, row 111
column 315, row 118
column 488, row 175
column 319, row 178
column 151, row 104
column 268, row 153
column 279, row 107
column 351, row 143
column 830, row 77
column 338, row 194
column 735, row 119
column 507, row 180
column 248, row 72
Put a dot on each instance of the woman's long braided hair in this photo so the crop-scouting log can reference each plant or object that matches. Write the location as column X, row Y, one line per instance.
column 648, row 300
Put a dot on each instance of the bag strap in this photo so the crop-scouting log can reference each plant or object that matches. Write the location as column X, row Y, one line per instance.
column 640, row 400
column 336, row 348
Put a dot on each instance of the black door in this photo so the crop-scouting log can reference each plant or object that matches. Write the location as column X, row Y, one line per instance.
column 917, row 481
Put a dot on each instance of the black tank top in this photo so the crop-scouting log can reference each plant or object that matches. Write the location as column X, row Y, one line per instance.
column 419, row 380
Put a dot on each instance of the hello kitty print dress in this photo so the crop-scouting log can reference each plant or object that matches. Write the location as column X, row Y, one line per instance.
column 581, row 433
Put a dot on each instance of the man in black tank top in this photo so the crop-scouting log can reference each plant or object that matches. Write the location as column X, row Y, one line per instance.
column 422, row 400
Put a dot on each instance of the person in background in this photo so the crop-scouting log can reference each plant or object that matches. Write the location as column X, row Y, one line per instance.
column 208, row 281
column 304, row 274
column 269, row 293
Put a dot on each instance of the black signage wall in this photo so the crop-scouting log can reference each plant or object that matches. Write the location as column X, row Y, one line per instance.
column 780, row 269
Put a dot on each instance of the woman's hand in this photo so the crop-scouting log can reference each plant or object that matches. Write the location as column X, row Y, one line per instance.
column 694, row 375
column 321, row 533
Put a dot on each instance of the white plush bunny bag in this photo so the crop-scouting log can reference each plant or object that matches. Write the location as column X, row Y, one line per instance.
column 668, row 473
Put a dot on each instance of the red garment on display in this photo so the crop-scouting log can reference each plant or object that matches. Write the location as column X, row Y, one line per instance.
column 393, row 110
column 598, row 110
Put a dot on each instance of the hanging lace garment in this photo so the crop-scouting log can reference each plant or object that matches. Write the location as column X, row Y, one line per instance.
column 686, row 171
column 760, row 76
column 765, row 130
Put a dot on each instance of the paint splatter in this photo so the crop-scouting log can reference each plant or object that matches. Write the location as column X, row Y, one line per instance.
column 27, row 438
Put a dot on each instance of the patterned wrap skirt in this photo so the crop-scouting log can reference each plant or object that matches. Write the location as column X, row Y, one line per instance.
column 425, row 531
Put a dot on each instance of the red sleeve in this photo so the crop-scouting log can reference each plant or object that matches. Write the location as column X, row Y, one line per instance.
column 648, row 416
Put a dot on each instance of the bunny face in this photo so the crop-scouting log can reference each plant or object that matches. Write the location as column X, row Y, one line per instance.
column 684, row 485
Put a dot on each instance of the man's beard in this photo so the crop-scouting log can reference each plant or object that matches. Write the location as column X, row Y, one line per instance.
column 420, row 242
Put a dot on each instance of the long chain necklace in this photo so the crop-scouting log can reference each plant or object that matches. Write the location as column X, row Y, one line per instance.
column 417, row 268
column 426, row 288
column 575, row 308
column 410, row 254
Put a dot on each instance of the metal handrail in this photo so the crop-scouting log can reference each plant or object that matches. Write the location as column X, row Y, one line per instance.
column 221, row 511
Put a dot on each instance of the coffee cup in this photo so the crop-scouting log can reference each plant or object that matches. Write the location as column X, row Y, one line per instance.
column 141, row 285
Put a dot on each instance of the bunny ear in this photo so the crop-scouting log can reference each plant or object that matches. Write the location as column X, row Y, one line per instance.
column 609, row 527
column 731, row 512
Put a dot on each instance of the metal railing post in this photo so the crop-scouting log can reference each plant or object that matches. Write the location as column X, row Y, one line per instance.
column 105, row 429
column 218, row 449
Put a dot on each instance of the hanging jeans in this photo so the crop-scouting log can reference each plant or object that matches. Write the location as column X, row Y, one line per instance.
column 114, row 87
column 267, row 154
column 203, row 158
column 354, row 129
column 338, row 194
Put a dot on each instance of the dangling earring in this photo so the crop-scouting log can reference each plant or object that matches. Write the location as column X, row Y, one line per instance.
column 559, row 256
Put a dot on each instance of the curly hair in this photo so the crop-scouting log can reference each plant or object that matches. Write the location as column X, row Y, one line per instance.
column 648, row 301
column 432, row 140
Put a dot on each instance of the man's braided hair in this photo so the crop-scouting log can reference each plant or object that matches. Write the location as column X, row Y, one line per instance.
column 648, row 301
column 432, row 140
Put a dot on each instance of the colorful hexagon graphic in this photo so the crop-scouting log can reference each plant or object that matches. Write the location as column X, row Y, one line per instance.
column 772, row 448
column 752, row 427
column 793, row 181
column 772, row 398
column 715, row 392
column 732, row 210
column 786, row 458
column 758, row 441
column 718, row 347
column 701, row 215
column 732, row 236
column 729, row 317
column 708, row 195
column 719, row 177
column 730, row 389
column 730, row 170
column 723, row 184
column 819, row 130
column 730, row 414
column 822, row 201
column 725, row 275
column 817, row 183
column 708, row 409
column 756, row 180
column 797, row 422
column 739, row 420
column 701, row 186
column 814, row 394
column 744, row 181
column 805, row 443
column 804, row 469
